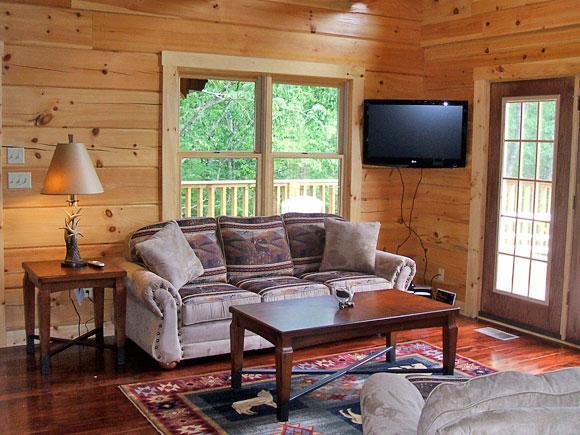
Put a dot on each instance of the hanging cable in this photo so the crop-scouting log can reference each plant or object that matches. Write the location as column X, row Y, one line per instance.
column 410, row 230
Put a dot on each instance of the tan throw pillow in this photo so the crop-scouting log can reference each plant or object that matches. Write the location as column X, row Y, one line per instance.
column 350, row 246
column 168, row 254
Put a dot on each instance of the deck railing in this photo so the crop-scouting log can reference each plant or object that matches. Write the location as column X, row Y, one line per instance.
column 238, row 197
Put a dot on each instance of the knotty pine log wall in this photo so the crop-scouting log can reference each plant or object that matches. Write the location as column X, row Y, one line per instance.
column 458, row 36
column 91, row 68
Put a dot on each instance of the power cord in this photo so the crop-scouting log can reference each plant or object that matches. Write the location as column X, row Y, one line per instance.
column 410, row 229
column 76, row 311
column 79, row 314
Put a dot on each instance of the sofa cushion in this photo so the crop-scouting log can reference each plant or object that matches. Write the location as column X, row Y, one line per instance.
column 255, row 247
column 518, row 421
column 449, row 403
column 359, row 281
column 212, row 301
column 201, row 234
column 306, row 237
column 168, row 254
column 276, row 288
column 350, row 246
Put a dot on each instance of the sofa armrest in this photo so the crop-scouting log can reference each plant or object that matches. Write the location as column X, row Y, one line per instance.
column 396, row 269
column 390, row 404
column 150, row 289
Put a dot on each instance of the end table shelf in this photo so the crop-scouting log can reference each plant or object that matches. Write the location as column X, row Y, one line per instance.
column 50, row 277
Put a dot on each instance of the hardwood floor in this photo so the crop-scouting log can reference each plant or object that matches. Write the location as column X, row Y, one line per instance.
column 81, row 394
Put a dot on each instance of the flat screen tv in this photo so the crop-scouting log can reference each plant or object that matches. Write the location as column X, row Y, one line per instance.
column 422, row 134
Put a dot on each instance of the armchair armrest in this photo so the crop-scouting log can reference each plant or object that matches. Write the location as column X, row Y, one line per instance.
column 150, row 289
column 153, row 314
column 397, row 269
column 390, row 404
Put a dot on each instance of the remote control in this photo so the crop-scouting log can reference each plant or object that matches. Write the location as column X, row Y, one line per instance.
column 96, row 263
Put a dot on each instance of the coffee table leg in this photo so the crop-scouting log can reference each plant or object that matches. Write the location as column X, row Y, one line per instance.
column 237, row 352
column 283, row 381
column 391, row 355
column 449, row 344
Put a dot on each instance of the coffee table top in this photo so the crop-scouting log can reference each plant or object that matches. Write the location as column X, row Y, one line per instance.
column 318, row 312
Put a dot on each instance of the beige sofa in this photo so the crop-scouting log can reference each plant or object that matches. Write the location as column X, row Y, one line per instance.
column 245, row 260
column 507, row 402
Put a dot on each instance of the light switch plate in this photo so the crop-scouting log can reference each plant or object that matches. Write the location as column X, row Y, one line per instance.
column 15, row 155
column 19, row 180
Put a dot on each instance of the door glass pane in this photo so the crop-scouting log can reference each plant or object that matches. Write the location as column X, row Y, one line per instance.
column 545, row 161
column 509, row 197
column 504, row 272
column 523, row 243
column 218, row 186
column 511, row 158
column 530, row 120
column 524, row 238
column 304, row 118
column 538, row 280
column 541, row 241
column 306, row 185
column 521, row 276
column 543, row 201
column 217, row 115
column 528, row 164
column 507, row 235
column 547, row 120
column 526, row 199
column 512, row 120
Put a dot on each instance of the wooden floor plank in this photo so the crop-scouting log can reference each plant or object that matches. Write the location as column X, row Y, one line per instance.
column 81, row 394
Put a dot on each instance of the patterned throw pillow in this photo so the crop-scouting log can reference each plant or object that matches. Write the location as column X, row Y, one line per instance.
column 350, row 246
column 168, row 254
column 306, row 236
column 255, row 247
column 201, row 234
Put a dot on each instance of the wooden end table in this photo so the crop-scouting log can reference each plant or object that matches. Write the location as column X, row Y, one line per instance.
column 50, row 277
column 296, row 323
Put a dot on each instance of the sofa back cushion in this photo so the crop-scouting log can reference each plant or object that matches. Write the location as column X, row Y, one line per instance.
column 255, row 247
column 449, row 403
column 201, row 234
column 306, row 236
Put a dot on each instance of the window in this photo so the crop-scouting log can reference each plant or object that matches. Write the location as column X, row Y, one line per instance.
column 252, row 136
column 259, row 145
column 525, row 216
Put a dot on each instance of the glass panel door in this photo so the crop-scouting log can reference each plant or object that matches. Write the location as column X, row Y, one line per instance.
column 525, row 197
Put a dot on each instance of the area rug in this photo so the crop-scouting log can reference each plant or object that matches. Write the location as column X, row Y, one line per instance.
column 202, row 404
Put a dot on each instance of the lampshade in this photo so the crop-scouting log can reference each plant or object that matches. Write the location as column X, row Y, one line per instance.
column 71, row 171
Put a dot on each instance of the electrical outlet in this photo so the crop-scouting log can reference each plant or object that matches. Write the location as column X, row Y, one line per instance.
column 15, row 155
column 19, row 180
column 441, row 273
column 88, row 292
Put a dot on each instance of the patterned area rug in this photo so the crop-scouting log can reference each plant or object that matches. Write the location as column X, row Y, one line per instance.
column 205, row 404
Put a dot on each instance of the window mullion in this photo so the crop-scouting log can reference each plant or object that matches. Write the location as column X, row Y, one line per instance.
column 264, row 142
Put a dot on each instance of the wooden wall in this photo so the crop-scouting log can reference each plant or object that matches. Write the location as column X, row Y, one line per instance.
column 457, row 36
column 91, row 68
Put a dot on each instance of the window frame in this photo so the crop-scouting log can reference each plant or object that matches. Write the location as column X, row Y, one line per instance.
column 348, row 79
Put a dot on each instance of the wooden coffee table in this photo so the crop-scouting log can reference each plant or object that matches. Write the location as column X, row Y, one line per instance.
column 297, row 323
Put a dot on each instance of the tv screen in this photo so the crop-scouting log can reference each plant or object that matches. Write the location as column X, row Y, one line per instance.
column 415, row 133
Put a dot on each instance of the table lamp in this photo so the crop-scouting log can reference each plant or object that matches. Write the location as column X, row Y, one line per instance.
column 71, row 172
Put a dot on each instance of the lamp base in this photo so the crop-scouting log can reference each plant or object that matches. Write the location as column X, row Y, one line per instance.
column 73, row 264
